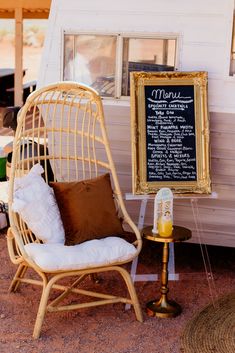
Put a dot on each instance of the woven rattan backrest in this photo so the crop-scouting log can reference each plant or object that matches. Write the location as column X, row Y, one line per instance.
column 65, row 125
column 62, row 127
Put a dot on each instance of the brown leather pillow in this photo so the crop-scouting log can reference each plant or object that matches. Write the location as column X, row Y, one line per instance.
column 87, row 209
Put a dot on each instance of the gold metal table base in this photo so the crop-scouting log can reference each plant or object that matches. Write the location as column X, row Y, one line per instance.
column 163, row 307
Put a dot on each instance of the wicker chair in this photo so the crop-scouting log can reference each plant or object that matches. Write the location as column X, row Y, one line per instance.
column 67, row 119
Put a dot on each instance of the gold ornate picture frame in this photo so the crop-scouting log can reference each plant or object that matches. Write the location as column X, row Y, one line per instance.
column 170, row 132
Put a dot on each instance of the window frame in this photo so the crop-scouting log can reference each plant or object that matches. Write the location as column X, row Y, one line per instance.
column 119, row 52
column 232, row 50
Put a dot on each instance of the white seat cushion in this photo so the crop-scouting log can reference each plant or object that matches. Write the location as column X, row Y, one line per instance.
column 92, row 253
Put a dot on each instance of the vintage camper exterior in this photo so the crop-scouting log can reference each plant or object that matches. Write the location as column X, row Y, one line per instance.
column 195, row 36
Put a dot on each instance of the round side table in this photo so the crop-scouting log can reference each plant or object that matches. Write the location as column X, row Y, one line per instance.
column 163, row 307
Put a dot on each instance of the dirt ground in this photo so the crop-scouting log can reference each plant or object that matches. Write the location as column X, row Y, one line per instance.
column 110, row 328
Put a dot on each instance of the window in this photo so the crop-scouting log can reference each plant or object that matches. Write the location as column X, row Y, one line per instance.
column 143, row 54
column 91, row 59
column 104, row 62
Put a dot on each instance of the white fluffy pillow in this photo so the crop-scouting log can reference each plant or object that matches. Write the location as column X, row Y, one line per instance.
column 35, row 202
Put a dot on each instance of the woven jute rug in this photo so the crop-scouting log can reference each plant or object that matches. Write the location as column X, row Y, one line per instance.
column 212, row 330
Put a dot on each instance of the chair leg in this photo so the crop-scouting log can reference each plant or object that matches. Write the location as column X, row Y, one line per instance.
column 41, row 311
column 131, row 289
column 18, row 275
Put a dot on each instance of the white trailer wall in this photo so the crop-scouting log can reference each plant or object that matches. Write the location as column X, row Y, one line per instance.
column 204, row 28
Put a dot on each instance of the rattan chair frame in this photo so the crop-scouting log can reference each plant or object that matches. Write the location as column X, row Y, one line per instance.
column 62, row 116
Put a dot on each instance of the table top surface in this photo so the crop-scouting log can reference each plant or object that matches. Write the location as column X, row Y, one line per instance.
column 6, row 72
column 9, row 72
column 178, row 234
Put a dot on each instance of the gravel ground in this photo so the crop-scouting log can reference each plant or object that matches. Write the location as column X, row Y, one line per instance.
column 111, row 329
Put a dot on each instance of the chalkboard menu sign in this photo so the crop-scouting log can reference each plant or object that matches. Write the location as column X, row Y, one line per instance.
column 170, row 132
